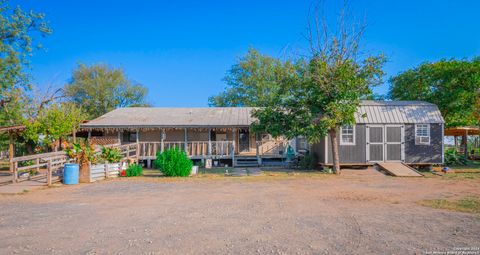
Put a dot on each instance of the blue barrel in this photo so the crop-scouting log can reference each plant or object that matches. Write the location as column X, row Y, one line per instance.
column 70, row 174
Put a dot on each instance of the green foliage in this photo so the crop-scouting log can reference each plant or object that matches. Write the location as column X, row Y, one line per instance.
column 174, row 162
column 111, row 155
column 99, row 89
column 54, row 122
column 134, row 170
column 453, row 158
column 319, row 96
column 26, row 163
column 308, row 162
column 466, row 204
column 17, row 30
column 253, row 80
column 453, row 85
column 83, row 153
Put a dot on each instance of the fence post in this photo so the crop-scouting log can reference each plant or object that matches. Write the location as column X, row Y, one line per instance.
column 49, row 173
column 15, row 172
column 38, row 163
column 106, row 171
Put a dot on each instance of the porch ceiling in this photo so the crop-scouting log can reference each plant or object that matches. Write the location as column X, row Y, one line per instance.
column 460, row 131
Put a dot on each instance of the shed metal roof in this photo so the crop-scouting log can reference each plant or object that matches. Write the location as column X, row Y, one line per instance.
column 396, row 112
column 174, row 117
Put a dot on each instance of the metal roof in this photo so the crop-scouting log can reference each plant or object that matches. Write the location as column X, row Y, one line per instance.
column 370, row 112
column 174, row 117
column 396, row 112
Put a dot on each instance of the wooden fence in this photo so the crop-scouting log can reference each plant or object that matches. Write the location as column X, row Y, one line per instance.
column 50, row 165
column 104, row 171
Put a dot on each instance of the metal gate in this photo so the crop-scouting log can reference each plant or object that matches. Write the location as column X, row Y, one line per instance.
column 385, row 143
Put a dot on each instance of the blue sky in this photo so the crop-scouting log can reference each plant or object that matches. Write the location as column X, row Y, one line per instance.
column 181, row 50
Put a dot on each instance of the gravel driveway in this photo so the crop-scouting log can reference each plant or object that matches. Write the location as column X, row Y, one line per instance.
column 350, row 214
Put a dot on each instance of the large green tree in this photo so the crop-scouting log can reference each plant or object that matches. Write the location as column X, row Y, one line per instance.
column 99, row 89
column 453, row 85
column 253, row 80
column 18, row 31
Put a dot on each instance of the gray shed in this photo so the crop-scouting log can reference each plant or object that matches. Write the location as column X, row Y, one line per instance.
column 389, row 131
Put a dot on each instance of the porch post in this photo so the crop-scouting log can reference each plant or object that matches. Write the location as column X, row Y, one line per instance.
column 10, row 151
column 162, row 138
column 119, row 137
column 233, row 146
column 138, row 147
column 186, row 142
column 210, row 141
column 465, row 143
column 259, row 161
column 89, row 134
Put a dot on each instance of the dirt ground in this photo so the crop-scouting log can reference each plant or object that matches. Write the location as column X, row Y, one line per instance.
column 360, row 212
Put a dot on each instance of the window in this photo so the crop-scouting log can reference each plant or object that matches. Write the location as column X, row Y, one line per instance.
column 302, row 143
column 422, row 134
column 347, row 135
column 129, row 136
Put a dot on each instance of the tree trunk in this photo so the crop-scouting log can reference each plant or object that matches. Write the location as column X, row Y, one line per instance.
column 335, row 156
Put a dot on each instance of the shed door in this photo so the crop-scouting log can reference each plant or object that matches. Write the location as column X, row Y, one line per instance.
column 394, row 143
column 375, row 143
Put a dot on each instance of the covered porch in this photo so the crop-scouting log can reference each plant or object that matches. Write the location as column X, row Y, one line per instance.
column 466, row 141
column 199, row 143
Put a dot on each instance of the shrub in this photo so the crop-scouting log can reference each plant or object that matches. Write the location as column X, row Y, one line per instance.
column 452, row 158
column 173, row 162
column 134, row 170
column 111, row 155
column 308, row 162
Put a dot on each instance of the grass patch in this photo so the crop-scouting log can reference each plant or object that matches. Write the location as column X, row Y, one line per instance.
column 467, row 204
column 462, row 176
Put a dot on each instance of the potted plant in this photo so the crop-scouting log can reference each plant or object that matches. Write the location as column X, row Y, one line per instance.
column 84, row 155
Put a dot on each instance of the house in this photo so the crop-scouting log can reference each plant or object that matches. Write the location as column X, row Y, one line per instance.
column 219, row 133
column 389, row 131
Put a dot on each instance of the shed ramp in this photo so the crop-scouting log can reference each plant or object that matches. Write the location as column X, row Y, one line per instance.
column 399, row 169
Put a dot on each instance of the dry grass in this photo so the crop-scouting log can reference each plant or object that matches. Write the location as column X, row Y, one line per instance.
column 221, row 174
column 467, row 204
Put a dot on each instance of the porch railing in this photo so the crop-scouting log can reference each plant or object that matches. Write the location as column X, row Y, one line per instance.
column 192, row 148
column 272, row 147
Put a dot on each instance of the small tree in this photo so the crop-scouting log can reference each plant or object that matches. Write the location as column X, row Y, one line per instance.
column 174, row 162
column 83, row 154
column 53, row 123
column 325, row 91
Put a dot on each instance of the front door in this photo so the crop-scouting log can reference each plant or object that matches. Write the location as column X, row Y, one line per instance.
column 375, row 143
column 243, row 141
column 385, row 143
column 394, row 143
